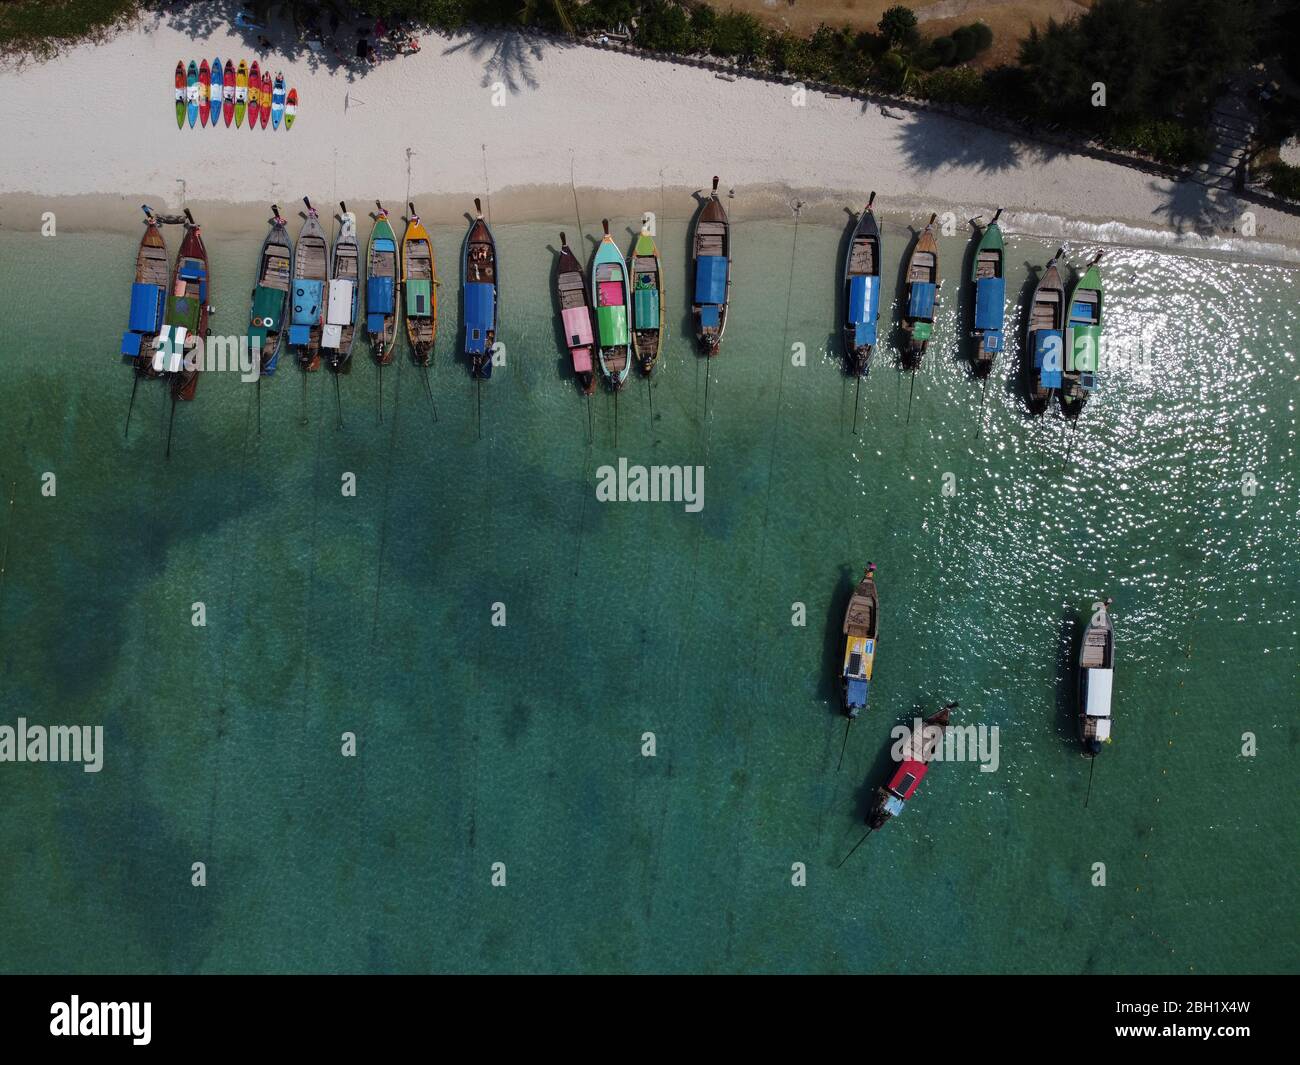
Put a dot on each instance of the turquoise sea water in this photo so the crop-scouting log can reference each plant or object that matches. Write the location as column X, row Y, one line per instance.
column 522, row 744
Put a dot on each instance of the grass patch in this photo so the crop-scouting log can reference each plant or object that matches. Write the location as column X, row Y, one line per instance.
column 43, row 26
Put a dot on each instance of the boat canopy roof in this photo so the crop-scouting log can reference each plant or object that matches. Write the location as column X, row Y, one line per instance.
column 908, row 778
column 920, row 302
column 711, row 279
column 384, row 244
column 990, row 301
column 479, row 315
column 645, row 305
column 1085, row 346
column 855, row 693
column 1049, row 357
column 612, row 322
column 1096, row 692
column 379, row 295
column 306, row 302
column 146, row 307
column 419, row 295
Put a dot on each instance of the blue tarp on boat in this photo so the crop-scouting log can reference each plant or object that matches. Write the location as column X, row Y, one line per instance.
column 1049, row 357
column 993, row 340
column 856, row 693
column 379, row 294
column 920, row 302
column 709, row 317
column 990, row 294
column 375, row 323
column 711, row 279
column 306, row 304
column 479, row 316
column 191, row 270
column 131, row 344
column 864, row 303
column 384, row 244
column 146, row 308
column 300, row 335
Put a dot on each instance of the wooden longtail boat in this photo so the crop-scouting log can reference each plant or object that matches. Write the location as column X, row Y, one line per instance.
column 148, row 296
column 340, row 331
column 862, row 291
column 187, row 314
column 920, row 751
column 988, row 276
column 648, row 310
column 266, row 316
column 382, row 309
column 860, row 623
column 307, row 294
column 1083, row 340
column 418, row 288
column 481, row 274
column 611, row 295
column 1096, row 674
column 711, row 252
column 575, row 315
column 1045, row 337
column 922, row 294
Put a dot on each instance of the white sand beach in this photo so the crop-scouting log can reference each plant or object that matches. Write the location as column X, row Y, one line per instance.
column 516, row 118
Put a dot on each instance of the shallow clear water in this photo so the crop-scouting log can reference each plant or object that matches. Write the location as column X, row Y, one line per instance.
column 522, row 744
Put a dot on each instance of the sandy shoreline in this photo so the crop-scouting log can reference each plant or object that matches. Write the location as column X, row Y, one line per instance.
column 516, row 119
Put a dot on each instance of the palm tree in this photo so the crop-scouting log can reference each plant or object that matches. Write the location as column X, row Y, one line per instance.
column 529, row 12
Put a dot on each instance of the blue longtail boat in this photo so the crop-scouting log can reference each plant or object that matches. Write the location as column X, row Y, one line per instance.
column 922, row 293
column 1045, row 336
column 711, row 250
column 862, row 291
column 481, row 276
column 988, row 276
column 148, row 295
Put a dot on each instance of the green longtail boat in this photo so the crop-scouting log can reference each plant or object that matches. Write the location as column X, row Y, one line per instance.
column 1083, row 340
column 647, row 299
column 987, row 274
column 382, row 308
column 266, row 317
column 612, row 297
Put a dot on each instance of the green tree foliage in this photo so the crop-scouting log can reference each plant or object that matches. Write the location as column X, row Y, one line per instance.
column 898, row 26
column 664, row 27
column 1283, row 179
column 738, row 34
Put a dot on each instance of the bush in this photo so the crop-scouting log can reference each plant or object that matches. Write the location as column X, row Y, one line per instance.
column 945, row 50
column 664, row 27
column 738, row 34
column 983, row 36
column 964, row 38
column 898, row 26
column 955, row 85
column 41, row 26
column 704, row 21
column 1283, row 179
column 1170, row 142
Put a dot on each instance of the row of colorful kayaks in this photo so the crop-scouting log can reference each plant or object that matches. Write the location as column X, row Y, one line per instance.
column 1063, row 331
column 205, row 95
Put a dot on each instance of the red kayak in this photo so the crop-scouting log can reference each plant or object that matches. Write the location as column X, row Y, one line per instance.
column 205, row 93
column 228, row 94
column 266, row 98
column 254, row 94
